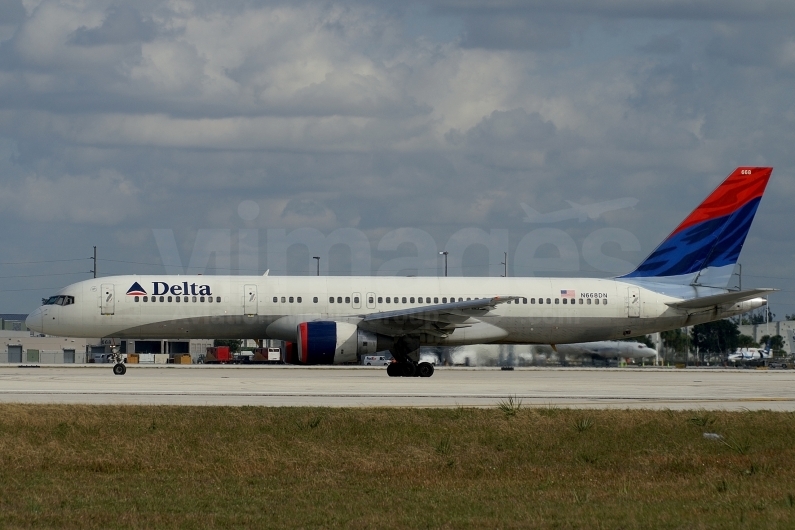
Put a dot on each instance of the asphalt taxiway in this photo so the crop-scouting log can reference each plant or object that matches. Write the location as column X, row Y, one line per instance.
column 656, row 388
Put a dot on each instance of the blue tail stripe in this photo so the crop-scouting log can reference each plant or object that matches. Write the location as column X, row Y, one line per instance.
column 712, row 243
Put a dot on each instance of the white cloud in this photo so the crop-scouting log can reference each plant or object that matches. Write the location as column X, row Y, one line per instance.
column 106, row 198
column 115, row 120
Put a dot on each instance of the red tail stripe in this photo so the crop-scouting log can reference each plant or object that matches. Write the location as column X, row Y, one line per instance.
column 742, row 186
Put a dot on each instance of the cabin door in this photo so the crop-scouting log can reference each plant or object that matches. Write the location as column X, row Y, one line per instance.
column 108, row 302
column 633, row 302
column 250, row 300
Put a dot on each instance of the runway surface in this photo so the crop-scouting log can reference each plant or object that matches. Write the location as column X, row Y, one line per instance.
column 729, row 389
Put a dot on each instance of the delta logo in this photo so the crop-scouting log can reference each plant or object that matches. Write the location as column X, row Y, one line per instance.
column 161, row 288
column 136, row 290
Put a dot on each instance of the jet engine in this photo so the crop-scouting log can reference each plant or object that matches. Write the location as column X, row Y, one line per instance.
column 322, row 342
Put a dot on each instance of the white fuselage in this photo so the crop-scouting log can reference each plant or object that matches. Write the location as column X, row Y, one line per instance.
column 271, row 307
column 609, row 349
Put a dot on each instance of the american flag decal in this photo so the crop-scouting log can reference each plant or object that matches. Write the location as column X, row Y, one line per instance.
column 567, row 293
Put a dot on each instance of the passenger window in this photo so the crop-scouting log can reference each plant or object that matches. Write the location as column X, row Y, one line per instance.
column 604, row 302
column 404, row 299
column 468, row 299
column 380, row 300
column 217, row 299
column 347, row 299
column 540, row 300
column 580, row 301
column 284, row 299
column 177, row 298
column 162, row 298
column 201, row 299
column 549, row 301
column 136, row 298
column 169, row 298
column 292, row 299
column 314, row 299
column 411, row 300
column 275, row 299
column 330, row 299
column 435, row 299
column 532, row 300
column 557, row 300
column 146, row 298
column 444, row 300
column 524, row 300
column 210, row 299
column 596, row 301
column 460, row 299
column 370, row 300
column 298, row 299
column 194, row 299
column 589, row 301
column 565, row 301
column 387, row 300
column 355, row 299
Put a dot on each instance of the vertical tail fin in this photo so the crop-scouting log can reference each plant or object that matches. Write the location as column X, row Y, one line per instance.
column 705, row 247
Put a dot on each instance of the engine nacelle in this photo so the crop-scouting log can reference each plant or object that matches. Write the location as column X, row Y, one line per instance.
column 323, row 342
column 289, row 354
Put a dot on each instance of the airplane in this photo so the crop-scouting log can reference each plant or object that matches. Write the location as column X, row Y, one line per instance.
column 333, row 320
column 742, row 355
column 607, row 349
column 582, row 212
column 598, row 351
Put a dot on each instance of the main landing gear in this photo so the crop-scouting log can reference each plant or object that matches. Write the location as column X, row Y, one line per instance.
column 409, row 369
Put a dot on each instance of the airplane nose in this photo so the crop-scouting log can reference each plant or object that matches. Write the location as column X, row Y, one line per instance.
column 34, row 321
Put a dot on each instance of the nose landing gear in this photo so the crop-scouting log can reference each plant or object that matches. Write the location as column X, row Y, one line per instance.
column 118, row 366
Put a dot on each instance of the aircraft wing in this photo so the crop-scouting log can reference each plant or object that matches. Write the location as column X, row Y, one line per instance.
column 707, row 302
column 440, row 319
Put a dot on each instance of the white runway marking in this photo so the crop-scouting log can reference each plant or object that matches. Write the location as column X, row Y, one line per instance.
column 690, row 388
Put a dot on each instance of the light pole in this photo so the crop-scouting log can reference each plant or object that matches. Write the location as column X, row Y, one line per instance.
column 740, row 275
column 444, row 252
column 318, row 263
column 95, row 263
column 505, row 264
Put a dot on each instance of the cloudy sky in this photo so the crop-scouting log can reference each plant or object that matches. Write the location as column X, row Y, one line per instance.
column 184, row 135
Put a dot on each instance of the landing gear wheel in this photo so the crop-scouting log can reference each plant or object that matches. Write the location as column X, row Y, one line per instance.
column 392, row 370
column 119, row 369
column 407, row 369
column 425, row 370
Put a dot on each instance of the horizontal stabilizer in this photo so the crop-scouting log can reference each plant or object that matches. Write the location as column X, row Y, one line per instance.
column 732, row 297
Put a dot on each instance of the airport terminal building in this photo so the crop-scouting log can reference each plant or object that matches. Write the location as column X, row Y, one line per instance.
column 20, row 345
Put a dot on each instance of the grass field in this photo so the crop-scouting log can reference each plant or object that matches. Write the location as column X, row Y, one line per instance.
column 507, row 467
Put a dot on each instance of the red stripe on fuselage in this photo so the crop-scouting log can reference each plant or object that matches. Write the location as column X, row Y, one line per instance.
column 733, row 193
column 302, row 337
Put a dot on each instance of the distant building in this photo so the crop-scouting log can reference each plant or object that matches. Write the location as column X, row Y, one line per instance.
column 20, row 345
column 785, row 328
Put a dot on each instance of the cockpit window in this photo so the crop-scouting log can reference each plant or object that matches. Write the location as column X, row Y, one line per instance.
column 60, row 300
